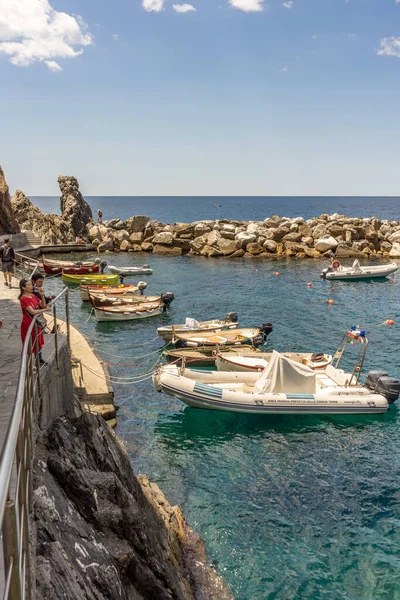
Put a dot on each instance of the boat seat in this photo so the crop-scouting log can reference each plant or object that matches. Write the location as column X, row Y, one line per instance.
column 337, row 375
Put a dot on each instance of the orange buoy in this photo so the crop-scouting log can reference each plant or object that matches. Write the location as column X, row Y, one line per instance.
column 330, row 301
column 309, row 284
column 276, row 273
column 389, row 322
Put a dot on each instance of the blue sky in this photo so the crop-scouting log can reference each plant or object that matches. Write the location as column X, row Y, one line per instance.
column 300, row 99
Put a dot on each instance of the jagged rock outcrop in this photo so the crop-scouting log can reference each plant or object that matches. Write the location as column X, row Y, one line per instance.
column 55, row 229
column 8, row 224
column 100, row 534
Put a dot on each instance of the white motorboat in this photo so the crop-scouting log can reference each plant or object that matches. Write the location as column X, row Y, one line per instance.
column 168, row 332
column 288, row 387
column 254, row 335
column 226, row 361
column 356, row 271
column 127, row 271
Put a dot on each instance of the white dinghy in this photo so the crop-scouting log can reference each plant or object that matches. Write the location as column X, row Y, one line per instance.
column 168, row 332
column 127, row 271
column 356, row 271
column 289, row 387
column 226, row 361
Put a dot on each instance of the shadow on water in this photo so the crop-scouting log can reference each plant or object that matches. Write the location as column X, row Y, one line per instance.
column 211, row 427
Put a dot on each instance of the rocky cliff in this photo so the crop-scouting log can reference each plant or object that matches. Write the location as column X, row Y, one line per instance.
column 101, row 534
column 55, row 229
column 8, row 224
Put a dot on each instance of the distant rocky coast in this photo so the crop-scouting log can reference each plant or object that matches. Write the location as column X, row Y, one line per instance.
column 274, row 237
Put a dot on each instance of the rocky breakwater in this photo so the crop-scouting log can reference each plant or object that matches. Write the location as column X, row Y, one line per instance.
column 275, row 236
column 55, row 229
column 8, row 224
column 102, row 532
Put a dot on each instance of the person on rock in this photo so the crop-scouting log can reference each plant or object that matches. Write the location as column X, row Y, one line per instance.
column 99, row 216
column 31, row 306
column 7, row 260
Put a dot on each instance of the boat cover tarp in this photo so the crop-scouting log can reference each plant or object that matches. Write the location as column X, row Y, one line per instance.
column 285, row 376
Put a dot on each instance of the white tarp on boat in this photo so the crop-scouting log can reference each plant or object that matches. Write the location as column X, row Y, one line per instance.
column 285, row 376
column 191, row 323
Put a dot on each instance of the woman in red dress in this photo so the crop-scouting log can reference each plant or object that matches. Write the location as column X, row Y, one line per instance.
column 31, row 306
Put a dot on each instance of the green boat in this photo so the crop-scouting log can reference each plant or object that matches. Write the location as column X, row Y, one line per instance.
column 91, row 279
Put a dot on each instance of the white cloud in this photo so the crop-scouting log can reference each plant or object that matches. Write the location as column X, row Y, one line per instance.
column 115, row 36
column 31, row 30
column 284, row 70
column 248, row 5
column 390, row 46
column 288, row 4
column 153, row 5
column 183, row 8
column 53, row 65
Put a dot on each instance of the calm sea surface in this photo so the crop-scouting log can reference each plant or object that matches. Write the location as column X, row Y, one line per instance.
column 290, row 507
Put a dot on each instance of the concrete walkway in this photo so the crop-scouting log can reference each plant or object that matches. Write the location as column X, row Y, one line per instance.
column 10, row 352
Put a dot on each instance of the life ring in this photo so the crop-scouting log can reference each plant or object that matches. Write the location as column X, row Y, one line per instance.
column 336, row 264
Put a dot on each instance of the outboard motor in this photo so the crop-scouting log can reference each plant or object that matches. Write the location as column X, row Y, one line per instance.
column 142, row 285
column 265, row 330
column 102, row 264
column 167, row 299
column 78, row 263
column 97, row 261
column 121, row 279
column 146, row 267
column 231, row 317
column 380, row 383
column 325, row 271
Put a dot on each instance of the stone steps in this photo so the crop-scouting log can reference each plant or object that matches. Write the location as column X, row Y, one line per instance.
column 32, row 238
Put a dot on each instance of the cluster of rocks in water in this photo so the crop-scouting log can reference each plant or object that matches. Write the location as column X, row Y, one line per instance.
column 8, row 224
column 51, row 228
column 273, row 237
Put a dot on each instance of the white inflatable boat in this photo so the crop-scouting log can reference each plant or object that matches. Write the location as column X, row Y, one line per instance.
column 356, row 271
column 287, row 387
column 127, row 271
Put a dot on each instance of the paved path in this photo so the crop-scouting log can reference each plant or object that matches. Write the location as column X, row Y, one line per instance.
column 10, row 352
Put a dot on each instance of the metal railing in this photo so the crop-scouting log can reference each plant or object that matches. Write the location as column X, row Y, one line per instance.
column 25, row 266
column 16, row 460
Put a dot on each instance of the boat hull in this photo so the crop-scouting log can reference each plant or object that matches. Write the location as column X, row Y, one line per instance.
column 130, row 272
column 91, row 279
column 167, row 333
column 365, row 273
column 81, row 270
column 103, row 315
column 213, row 397
column 117, row 290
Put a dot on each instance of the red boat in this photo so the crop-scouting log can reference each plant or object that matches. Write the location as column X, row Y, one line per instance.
column 55, row 267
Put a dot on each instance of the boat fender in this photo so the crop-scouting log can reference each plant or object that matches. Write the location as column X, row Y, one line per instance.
column 336, row 264
column 167, row 298
column 231, row 317
column 317, row 356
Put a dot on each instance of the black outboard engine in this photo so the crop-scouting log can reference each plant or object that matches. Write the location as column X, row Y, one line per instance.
column 231, row 317
column 265, row 330
column 103, row 265
column 325, row 271
column 167, row 299
column 380, row 383
column 142, row 285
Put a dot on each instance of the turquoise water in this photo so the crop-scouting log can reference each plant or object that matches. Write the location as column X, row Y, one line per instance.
column 289, row 507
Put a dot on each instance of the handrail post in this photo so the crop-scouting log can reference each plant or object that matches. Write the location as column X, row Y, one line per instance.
column 35, row 329
column 55, row 334
column 10, row 549
column 67, row 318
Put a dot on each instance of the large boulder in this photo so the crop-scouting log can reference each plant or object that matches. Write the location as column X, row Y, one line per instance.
column 395, row 250
column 8, row 224
column 245, row 238
column 162, row 249
column 198, row 244
column 106, row 245
column 115, row 224
column 270, row 246
column 137, row 223
column 125, row 246
column 165, row 238
column 201, row 229
column 75, row 211
column 119, row 237
column 254, row 248
column 136, row 237
column 394, row 238
column 325, row 243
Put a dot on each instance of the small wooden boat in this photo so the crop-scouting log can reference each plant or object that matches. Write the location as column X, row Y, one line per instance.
column 129, row 271
column 99, row 279
column 288, row 387
column 254, row 335
column 167, row 332
column 113, row 290
column 129, row 313
column 226, row 361
column 80, row 270
column 100, row 300
column 55, row 267
column 356, row 271
column 205, row 356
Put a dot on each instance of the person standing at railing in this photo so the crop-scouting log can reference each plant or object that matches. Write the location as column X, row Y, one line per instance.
column 7, row 260
column 38, row 289
column 31, row 306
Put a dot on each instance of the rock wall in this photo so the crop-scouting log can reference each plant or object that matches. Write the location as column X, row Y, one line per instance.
column 8, row 224
column 273, row 237
column 55, row 229
column 100, row 533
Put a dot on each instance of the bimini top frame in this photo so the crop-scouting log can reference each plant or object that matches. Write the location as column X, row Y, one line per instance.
column 350, row 337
